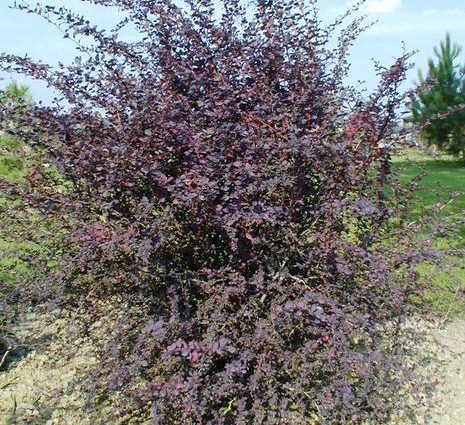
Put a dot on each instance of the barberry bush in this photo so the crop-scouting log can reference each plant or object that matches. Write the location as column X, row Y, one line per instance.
column 227, row 194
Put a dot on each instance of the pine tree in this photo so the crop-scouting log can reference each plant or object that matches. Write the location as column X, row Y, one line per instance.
column 441, row 128
column 18, row 93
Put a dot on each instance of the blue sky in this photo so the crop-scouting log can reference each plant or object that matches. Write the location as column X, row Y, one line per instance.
column 420, row 24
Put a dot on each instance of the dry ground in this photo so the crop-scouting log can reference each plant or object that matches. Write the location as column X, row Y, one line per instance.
column 49, row 368
column 450, row 409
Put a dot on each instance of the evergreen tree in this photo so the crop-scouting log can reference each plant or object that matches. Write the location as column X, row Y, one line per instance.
column 18, row 93
column 443, row 129
column 14, row 95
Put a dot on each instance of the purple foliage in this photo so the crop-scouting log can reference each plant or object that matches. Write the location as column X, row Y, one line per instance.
column 230, row 190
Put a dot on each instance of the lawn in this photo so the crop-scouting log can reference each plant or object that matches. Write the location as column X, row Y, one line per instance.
column 23, row 232
column 12, row 169
column 443, row 175
column 443, row 182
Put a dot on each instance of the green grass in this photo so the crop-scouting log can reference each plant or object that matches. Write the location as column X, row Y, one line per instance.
column 443, row 176
column 443, row 181
column 13, row 170
column 12, row 164
column 25, row 234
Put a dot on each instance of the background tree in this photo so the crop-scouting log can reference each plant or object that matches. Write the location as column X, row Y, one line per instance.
column 432, row 107
column 17, row 97
column 18, row 93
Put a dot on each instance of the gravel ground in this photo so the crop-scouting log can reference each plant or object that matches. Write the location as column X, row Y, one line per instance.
column 450, row 397
column 37, row 390
column 49, row 368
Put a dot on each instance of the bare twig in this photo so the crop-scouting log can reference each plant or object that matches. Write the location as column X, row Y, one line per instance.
column 5, row 355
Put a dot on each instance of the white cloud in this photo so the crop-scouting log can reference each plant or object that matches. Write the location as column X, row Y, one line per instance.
column 383, row 6
column 431, row 23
